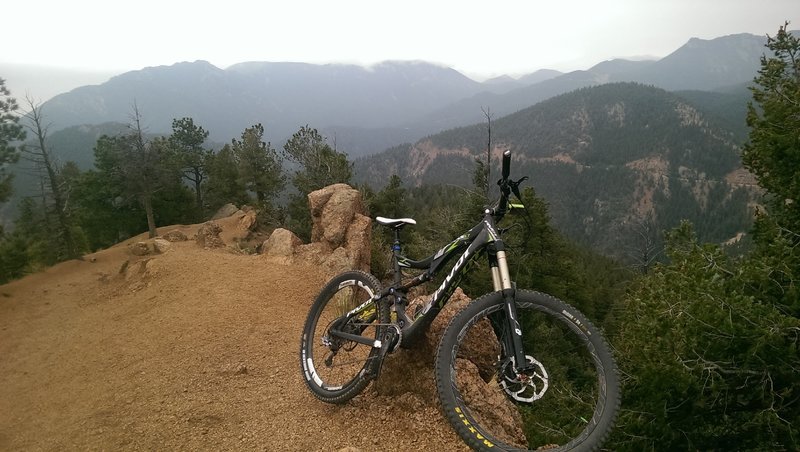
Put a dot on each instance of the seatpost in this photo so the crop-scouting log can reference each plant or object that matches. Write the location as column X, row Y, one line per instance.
column 396, row 255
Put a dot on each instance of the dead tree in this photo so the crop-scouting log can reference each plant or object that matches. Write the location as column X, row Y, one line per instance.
column 40, row 154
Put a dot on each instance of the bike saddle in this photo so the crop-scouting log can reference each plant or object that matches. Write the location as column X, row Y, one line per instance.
column 395, row 222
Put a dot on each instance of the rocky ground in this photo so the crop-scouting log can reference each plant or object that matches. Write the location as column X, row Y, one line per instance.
column 190, row 349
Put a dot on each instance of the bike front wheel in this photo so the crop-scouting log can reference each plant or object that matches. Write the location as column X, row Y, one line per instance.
column 337, row 369
column 565, row 397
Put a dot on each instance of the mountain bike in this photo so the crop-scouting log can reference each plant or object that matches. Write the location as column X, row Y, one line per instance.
column 515, row 369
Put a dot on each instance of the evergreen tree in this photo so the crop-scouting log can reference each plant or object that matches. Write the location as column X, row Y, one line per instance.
column 186, row 145
column 709, row 345
column 258, row 165
column 101, row 210
column 224, row 183
column 773, row 150
column 11, row 132
column 14, row 260
column 773, row 154
column 708, row 363
column 136, row 166
column 391, row 200
column 318, row 165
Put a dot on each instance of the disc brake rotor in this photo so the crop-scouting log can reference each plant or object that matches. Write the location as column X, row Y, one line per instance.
column 527, row 386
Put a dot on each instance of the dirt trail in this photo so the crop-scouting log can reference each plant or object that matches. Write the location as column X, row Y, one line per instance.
column 197, row 352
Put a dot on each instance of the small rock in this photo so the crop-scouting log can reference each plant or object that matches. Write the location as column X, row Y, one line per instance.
column 140, row 249
column 175, row 236
column 161, row 245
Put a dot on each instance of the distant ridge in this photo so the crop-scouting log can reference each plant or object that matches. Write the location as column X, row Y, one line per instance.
column 378, row 105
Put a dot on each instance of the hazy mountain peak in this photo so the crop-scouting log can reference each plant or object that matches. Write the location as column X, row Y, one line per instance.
column 505, row 78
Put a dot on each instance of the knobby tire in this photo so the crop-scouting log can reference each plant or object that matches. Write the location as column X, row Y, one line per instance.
column 577, row 409
column 337, row 372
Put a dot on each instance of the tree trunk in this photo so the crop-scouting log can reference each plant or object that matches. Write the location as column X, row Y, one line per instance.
column 198, row 193
column 148, row 210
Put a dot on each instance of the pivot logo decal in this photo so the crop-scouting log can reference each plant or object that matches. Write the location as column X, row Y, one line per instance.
column 449, row 278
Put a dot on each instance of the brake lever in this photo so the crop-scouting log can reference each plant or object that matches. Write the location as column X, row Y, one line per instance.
column 515, row 186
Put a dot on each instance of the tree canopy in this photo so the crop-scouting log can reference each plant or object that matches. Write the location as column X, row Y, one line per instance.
column 773, row 150
column 316, row 165
column 11, row 134
column 708, row 342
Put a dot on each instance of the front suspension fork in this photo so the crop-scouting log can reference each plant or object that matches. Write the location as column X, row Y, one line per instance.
column 501, row 279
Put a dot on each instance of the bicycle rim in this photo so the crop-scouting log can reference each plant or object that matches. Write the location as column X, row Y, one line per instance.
column 336, row 369
column 567, row 401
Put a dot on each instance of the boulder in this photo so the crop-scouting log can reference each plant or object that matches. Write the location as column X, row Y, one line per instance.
column 225, row 211
column 336, row 214
column 247, row 218
column 282, row 242
column 407, row 372
column 161, row 245
column 488, row 404
column 340, row 233
column 208, row 235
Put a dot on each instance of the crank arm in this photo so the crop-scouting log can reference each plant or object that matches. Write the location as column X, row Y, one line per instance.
column 376, row 343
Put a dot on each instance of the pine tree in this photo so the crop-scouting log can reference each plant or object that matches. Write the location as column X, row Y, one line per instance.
column 186, row 146
column 773, row 150
column 317, row 165
column 11, row 133
column 259, row 166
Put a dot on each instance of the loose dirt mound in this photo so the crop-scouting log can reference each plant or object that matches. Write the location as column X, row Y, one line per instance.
column 191, row 349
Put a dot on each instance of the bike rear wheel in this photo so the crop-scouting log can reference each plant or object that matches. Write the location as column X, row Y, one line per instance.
column 336, row 369
column 568, row 397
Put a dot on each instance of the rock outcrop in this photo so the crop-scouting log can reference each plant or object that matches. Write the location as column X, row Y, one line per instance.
column 225, row 211
column 340, row 233
column 409, row 372
column 208, row 235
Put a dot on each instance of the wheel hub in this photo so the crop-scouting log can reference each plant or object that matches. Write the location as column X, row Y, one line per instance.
column 526, row 385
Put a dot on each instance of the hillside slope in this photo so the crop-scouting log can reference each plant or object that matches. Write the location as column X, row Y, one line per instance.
column 193, row 349
column 604, row 158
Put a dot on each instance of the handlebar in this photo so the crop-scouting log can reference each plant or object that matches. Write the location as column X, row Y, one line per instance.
column 505, row 187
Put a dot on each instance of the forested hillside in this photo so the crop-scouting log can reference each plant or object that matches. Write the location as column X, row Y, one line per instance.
column 611, row 160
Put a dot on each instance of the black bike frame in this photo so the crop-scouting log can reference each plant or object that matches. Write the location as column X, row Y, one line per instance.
column 469, row 245
column 483, row 235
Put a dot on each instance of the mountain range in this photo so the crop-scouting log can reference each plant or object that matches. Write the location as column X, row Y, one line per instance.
column 619, row 144
column 367, row 110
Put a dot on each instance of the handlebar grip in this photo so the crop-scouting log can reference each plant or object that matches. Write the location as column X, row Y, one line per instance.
column 506, row 164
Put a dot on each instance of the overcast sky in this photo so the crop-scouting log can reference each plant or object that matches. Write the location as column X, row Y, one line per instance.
column 480, row 39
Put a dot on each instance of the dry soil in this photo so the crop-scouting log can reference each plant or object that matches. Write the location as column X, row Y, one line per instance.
column 192, row 349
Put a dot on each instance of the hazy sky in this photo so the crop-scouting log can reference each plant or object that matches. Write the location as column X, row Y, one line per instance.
column 480, row 39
